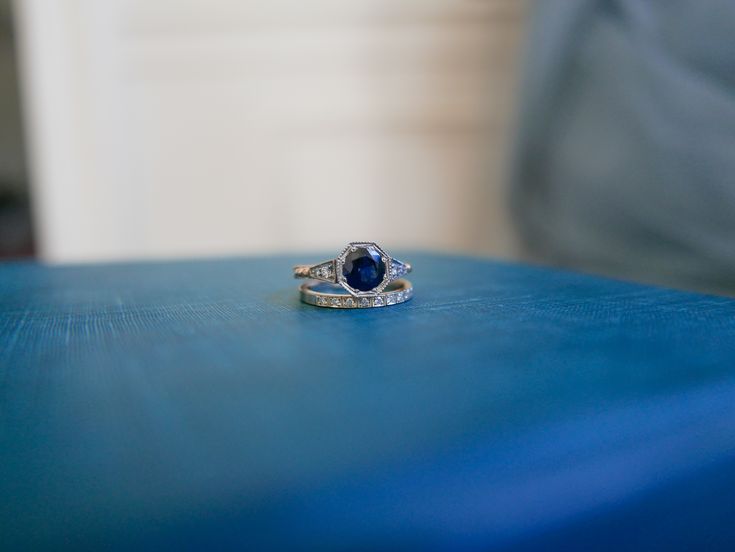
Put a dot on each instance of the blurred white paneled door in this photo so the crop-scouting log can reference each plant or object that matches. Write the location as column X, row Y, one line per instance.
column 190, row 127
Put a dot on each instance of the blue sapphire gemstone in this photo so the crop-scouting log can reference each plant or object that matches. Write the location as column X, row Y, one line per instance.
column 363, row 268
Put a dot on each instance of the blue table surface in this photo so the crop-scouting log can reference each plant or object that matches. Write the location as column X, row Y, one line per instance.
column 190, row 405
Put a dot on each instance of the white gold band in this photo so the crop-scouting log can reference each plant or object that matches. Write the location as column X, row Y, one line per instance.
column 396, row 292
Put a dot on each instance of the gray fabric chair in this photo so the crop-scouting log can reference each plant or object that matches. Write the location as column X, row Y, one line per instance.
column 625, row 159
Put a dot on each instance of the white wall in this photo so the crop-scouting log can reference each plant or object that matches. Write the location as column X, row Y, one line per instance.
column 187, row 127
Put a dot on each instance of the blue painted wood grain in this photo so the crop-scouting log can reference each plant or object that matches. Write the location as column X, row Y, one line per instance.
column 195, row 405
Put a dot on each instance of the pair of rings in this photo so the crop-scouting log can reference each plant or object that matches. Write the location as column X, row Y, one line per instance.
column 363, row 275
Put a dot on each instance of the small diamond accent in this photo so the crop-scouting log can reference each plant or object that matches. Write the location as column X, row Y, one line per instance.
column 397, row 269
column 335, row 301
column 324, row 272
column 364, row 302
column 399, row 297
column 391, row 299
column 378, row 301
column 321, row 301
column 349, row 302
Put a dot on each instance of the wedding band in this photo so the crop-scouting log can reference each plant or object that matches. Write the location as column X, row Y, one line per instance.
column 363, row 269
column 398, row 291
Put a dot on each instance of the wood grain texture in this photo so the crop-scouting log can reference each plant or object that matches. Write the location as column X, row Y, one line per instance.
column 199, row 404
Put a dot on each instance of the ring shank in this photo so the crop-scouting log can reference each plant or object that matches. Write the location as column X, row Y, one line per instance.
column 302, row 271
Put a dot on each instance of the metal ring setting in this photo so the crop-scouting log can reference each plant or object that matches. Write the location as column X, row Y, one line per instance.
column 396, row 292
column 369, row 276
column 363, row 269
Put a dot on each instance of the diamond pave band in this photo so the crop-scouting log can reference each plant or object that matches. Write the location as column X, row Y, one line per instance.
column 396, row 292
column 363, row 269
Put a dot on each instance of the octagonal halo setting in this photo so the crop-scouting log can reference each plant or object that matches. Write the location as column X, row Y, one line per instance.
column 363, row 269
